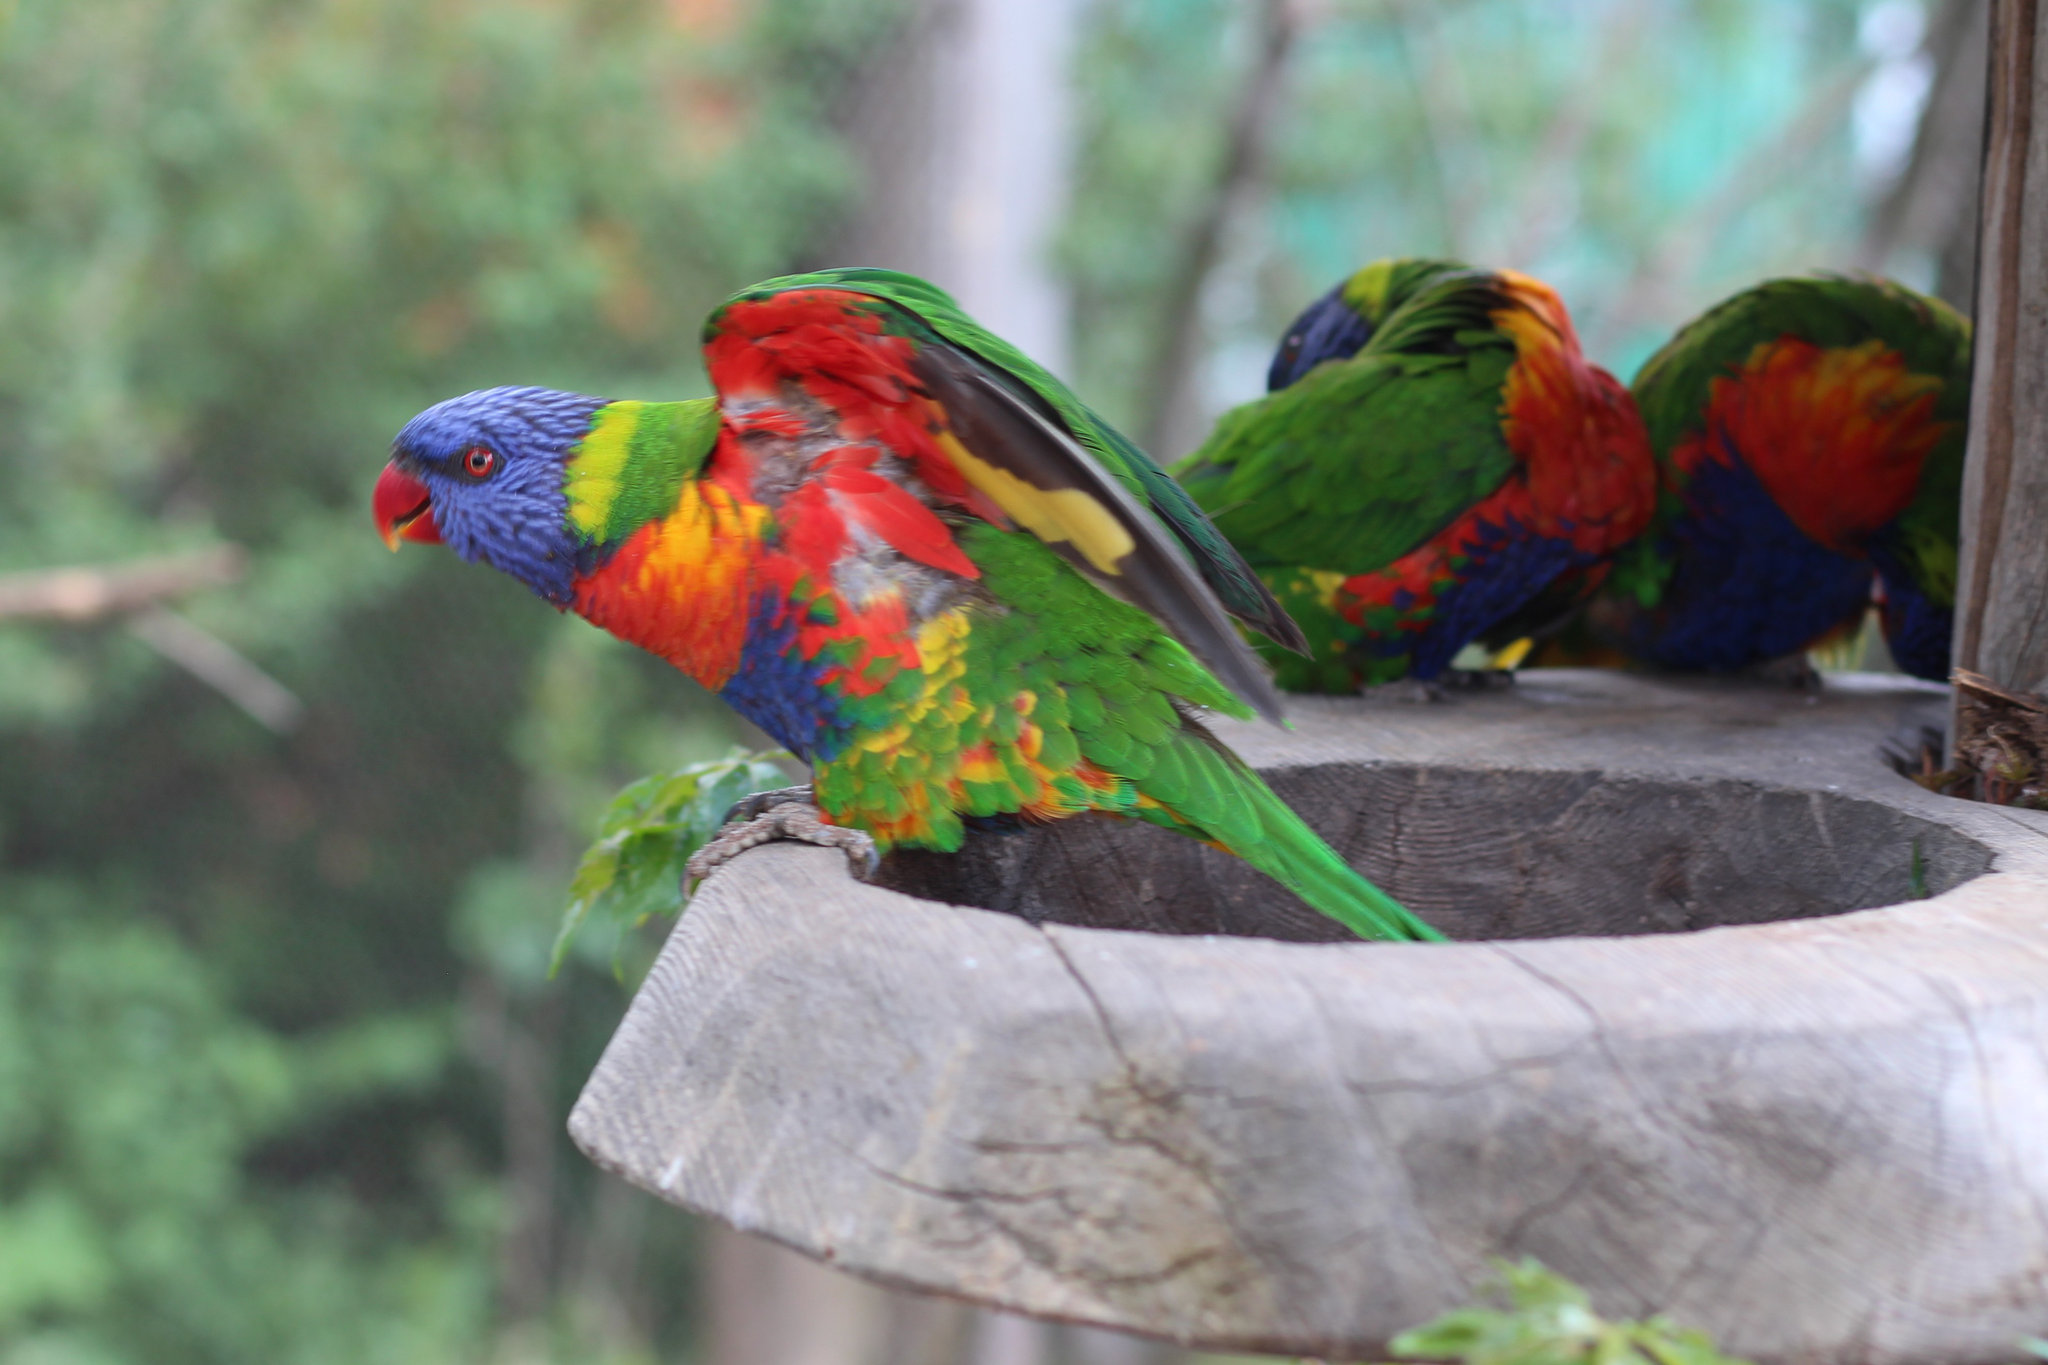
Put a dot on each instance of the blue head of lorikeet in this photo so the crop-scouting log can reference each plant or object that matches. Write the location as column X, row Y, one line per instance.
column 483, row 474
column 1339, row 324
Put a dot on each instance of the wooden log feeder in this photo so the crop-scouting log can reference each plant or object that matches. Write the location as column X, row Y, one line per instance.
column 1743, row 1026
column 1816, row 1133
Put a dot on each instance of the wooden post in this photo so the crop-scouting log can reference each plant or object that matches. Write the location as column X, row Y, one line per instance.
column 2002, row 586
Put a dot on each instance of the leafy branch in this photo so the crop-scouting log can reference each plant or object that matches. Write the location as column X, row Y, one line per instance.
column 635, row 869
column 1541, row 1318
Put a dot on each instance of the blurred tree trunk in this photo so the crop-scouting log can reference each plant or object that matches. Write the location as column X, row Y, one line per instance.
column 961, row 130
column 2002, row 588
column 771, row 1304
column 1932, row 208
column 515, row 1038
column 1173, row 412
column 528, row 1052
column 607, row 1254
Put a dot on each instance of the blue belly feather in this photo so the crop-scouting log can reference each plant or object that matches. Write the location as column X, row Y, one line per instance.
column 1747, row 585
column 1917, row 629
column 784, row 693
column 1506, row 567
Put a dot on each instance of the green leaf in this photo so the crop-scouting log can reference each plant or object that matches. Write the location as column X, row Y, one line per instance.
column 635, row 869
column 1538, row 1317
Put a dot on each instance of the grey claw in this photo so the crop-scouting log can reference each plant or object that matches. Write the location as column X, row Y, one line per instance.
column 749, row 807
column 786, row 817
column 1477, row 679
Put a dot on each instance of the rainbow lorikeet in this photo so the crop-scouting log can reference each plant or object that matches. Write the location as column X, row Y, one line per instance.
column 1809, row 434
column 1436, row 464
column 910, row 555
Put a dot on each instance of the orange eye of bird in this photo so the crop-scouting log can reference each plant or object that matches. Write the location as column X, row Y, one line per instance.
column 479, row 461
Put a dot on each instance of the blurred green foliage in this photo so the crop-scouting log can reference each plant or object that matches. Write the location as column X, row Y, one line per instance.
column 1541, row 1318
column 282, row 1074
column 1647, row 157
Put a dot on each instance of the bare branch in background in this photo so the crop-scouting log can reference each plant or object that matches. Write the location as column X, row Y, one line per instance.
column 1545, row 207
column 1647, row 293
column 94, row 592
column 1933, row 205
column 84, row 594
column 1447, row 121
column 220, row 666
column 1178, row 343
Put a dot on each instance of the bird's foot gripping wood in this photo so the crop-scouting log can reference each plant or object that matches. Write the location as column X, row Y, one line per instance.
column 1794, row 672
column 751, row 807
column 1476, row 679
column 786, row 813
column 1407, row 692
column 1445, row 686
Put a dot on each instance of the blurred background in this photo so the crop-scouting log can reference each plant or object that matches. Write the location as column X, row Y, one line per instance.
column 286, row 821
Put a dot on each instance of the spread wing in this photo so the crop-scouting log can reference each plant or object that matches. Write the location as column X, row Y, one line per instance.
column 1035, row 469
column 1087, row 438
column 1035, row 456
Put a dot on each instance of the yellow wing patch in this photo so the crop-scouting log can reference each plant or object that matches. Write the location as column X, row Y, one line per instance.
column 1051, row 514
column 592, row 478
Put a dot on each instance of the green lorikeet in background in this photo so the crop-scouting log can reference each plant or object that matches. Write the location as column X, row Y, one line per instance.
column 1436, row 464
column 1809, row 435
column 910, row 555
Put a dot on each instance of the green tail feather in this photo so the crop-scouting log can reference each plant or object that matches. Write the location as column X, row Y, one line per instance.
column 1216, row 796
column 1312, row 870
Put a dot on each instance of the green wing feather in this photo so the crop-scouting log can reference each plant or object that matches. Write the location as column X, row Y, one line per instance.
column 1365, row 459
column 1238, row 588
column 1112, row 675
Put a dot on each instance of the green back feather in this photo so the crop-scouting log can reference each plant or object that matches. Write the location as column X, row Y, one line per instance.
column 1364, row 459
column 1378, row 289
column 1111, row 686
column 1673, row 386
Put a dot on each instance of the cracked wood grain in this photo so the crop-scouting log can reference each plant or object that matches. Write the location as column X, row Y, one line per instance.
column 1815, row 1134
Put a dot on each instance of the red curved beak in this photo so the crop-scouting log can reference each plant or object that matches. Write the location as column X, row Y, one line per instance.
column 403, row 509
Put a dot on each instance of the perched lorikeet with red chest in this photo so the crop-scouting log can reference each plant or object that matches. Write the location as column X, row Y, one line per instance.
column 910, row 555
column 1809, row 434
column 1436, row 464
